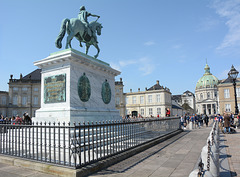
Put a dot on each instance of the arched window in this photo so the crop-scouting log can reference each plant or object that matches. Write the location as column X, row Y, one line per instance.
column 208, row 94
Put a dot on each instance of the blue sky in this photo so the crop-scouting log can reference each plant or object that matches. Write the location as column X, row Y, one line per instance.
column 147, row 40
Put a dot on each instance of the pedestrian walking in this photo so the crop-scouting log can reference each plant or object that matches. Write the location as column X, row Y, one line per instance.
column 227, row 123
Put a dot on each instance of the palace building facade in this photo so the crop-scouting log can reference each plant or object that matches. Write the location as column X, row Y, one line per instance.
column 152, row 102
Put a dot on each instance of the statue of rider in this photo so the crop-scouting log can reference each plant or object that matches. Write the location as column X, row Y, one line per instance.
column 83, row 15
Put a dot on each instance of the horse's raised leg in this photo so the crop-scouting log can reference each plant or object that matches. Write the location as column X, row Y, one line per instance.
column 87, row 47
column 69, row 39
column 98, row 50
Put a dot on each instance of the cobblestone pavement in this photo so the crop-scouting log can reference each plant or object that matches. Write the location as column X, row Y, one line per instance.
column 13, row 171
column 174, row 157
column 232, row 144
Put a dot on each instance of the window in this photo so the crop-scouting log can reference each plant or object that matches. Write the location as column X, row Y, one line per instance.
column 141, row 99
column 24, row 89
column 24, row 100
column 117, row 100
column 35, row 100
column 35, row 89
column 158, row 98
column 215, row 94
column 126, row 100
column 201, row 96
column 117, row 90
column 15, row 100
column 227, row 107
column 226, row 93
column 142, row 111
column 208, row 94
column 134, row 100
column 14, row 112
column 150, row 112
column 15, row 89
column 4, row 100
column 158, row 111
column 238, row 92
column 4, row 113
column 149, row 98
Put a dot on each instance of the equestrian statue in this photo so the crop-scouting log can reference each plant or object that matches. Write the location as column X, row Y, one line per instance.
column 81, row 30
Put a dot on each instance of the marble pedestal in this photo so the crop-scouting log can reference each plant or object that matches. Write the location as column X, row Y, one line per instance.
column 75, row 88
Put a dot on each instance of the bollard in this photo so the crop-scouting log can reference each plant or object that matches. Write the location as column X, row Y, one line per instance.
column 190, row 126
column 194, row 173
column 204, row 156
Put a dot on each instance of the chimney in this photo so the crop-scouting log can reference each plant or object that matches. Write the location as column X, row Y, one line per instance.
column 139, row 89
column 130, row 90
column 157, row 82
column 21, row 76
column 11, row 76
column 146, row 88
column 120, row 79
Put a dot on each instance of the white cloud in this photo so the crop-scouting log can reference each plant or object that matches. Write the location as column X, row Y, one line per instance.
column 177, row 46
column 207, row 24
column 144, row 65
column 230, row 11
column 149, row 43
column 127, row 62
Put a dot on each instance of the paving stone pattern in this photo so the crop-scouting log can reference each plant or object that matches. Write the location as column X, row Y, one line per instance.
column 13, row 171
column 174, row 157
column 232, row 144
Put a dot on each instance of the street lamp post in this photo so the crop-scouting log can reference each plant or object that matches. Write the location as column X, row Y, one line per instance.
column 233, row 73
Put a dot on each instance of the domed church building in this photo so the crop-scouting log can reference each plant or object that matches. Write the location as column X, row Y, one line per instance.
column 206, row 93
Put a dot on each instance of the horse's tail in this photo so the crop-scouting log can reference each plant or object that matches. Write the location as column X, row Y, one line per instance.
column 58, row 41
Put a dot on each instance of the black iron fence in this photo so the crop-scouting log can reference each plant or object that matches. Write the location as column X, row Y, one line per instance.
column 78, row 145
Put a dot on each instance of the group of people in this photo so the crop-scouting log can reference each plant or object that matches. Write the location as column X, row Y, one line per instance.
column 197, row 120
column 16, row 119
column 225, row 122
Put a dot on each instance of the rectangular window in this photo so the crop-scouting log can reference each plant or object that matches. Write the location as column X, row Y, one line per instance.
column 226, row 93
column 141, row 100
column 4, row 100
column 117, row 90
column 24, row 89
column 15, row 89
column 35, row 100
column 238, row 92
column 150, row 111
column 227, row 107
column 35, row 89
column 149, row 98
column 159, row 111
column 126, row 100
column 15, row 100
column 142, row 112
column 4, row 113
column 24, row 100
column 117, row 100
column 14, row 112
column 134, row 100
column 158, row 98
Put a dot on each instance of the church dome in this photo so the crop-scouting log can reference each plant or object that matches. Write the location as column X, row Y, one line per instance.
column 207, row 80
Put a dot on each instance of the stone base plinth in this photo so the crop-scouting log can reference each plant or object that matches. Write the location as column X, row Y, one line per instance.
column 75, row 88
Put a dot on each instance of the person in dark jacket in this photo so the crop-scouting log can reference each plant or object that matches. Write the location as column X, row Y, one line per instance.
column 226, row 123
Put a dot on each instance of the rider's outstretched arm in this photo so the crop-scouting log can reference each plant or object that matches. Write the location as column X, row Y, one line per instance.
column 94, row 15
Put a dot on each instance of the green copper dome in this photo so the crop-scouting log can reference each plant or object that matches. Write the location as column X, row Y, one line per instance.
column 207, row 80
